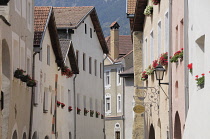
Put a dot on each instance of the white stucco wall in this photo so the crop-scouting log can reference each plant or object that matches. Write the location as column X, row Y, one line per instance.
column 197, row 122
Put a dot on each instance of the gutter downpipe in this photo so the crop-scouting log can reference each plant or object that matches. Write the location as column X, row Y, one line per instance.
column 75, row 114
column 186, row 56
column 32, row 98
column 170, row 73
column 104, row 96
column 123, row 108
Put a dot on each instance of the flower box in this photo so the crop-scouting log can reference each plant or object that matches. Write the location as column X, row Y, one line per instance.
column 31, row 83
column 67, row 72
column 58, row 103
column 91, row 113
column 70, row 108
column 144, row 76
column 78, row 110
column 18, row 73
column 155, row 2
column 85, row 111
column 148, row 10
column 177, row 55
column 62, row 105
column 97, row 114
column 163, row 60
column 25, row 78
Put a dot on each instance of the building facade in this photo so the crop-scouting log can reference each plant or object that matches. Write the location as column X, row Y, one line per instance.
column 16, row 52
column 118, row 91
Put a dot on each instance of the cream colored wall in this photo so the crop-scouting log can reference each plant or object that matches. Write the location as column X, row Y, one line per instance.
column 151, row 24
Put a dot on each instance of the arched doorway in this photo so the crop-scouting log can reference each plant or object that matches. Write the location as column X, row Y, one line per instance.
column 35, row 136
column 151, row 132
column 177, row 127
column 24, row 135
column 14, row 135
column 5, row 78
column 46, row 137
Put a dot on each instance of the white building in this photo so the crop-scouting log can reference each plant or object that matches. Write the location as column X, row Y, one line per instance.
column 82, row 27
column 197, row 121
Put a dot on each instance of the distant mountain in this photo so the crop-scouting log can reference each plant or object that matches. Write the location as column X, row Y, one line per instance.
column 108, row 11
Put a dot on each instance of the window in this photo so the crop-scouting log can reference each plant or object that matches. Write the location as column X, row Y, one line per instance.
column 77, row 56
column 90, row 65
column 91, row 104
column 107, row 78
column 36, row 94
column 108, row 103
column 28, row 65
column 176, row 43
column 200, row 52
column 159, row 38
column 119, row 70
column 166, row 32
column 78, row 101
column 96, row 105
column 69, row 98
column 84, row 101
column 22, row 55
column 84, row 61
column 119, row 103
column 151, row 47
column 181, row 34
column 90, row 32
column 48, row 55
column 45, row 108
column 85, row 28
column 16, row 54
column 100, row 70
column 95, row 67
column 117, row 135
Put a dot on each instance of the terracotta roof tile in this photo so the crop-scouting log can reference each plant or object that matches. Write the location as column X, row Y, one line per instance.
column 125, row 44
column 41, row 15
column 131, row 5
column 70, row 16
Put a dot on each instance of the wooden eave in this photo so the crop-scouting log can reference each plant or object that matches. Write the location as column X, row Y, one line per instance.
column 138, row 21
column 55, row 41
column 73, row 60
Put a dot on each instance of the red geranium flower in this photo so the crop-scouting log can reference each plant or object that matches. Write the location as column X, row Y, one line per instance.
column 203, row 74
column 189, row 66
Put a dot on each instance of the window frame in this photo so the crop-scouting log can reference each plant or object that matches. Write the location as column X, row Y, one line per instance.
column 108, row 111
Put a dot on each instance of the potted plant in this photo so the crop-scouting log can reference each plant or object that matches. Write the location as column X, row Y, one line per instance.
column 18, row 73
column 148, row 10
column 70, row 108
column 58, row 103
column 62, row 105
column 67, row 72
column 190, row 67
column 144, row 76
column 176, row 56
column 200, row 80
column 149, row 70
column 97, row 114
column 155, row 2
column 31, row 82
column 78, row 110
column 91, row 113
column 155, row 64
column 85, row 111
column 163, row 60
column 25, row 78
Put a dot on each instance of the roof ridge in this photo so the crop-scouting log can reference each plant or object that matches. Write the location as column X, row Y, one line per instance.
column 72, row 7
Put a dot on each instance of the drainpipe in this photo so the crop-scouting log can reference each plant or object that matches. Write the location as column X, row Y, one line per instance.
column 32, row 98
column 123, row 108
column 75, row 109
column 104, row 96
column 170, row 73
column 186, row 56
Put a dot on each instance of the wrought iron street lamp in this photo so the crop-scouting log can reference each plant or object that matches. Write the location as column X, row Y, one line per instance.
column 159, row 73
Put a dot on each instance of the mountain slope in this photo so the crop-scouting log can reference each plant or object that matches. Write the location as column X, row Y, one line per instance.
column 108, row 11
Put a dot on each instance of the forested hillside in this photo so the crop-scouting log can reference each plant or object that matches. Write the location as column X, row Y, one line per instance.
column 108, row 11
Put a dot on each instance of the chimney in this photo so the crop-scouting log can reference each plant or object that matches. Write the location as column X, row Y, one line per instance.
column 114, row 41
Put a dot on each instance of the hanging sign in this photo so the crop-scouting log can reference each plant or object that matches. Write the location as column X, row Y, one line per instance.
column 138, row 109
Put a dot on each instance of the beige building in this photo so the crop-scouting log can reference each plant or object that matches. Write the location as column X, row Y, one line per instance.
column 150, row 41
column 118, row 89
column 16, row 49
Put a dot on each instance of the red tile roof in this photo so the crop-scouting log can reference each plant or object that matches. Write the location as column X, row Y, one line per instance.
column 41, row 15
column 125, row 44
column 131, row 5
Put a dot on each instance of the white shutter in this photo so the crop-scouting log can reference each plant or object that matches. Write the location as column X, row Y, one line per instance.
column 45, row 101
column 36, row 95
